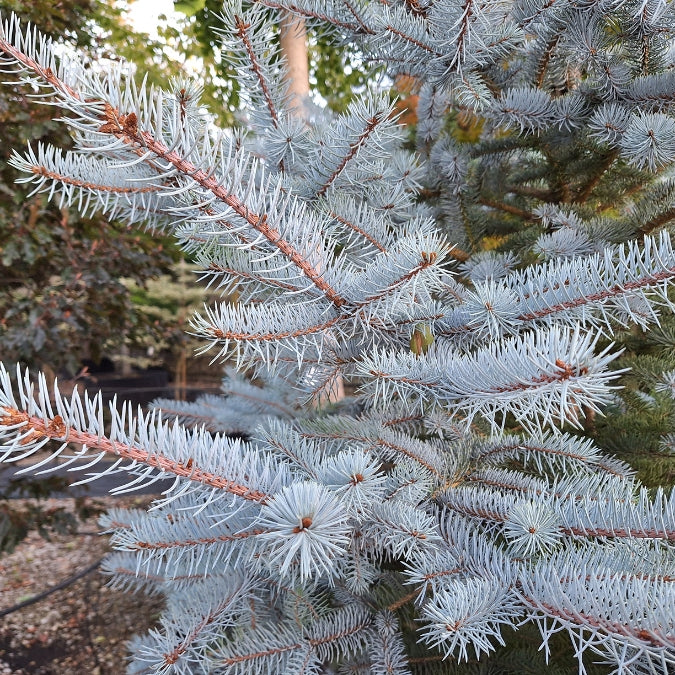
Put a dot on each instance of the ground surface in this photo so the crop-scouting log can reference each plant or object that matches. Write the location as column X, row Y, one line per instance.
column 80, row 630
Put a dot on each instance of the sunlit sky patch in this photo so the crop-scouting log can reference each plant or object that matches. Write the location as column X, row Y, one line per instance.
column 144, row 14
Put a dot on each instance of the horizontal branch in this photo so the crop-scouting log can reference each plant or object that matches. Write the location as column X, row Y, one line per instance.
column 607, row 532
column 200, row 541
column 252, row 656
column 508, row 208
column 554, row 452
column 97, row 187
column 216, row 269
column 605, row 294
column 273, row 337
column 145, row 575
column 55, row 429
column 621, row 532
column 579, row 618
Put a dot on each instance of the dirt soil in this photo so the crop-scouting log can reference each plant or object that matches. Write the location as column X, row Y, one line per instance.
column 79, row 630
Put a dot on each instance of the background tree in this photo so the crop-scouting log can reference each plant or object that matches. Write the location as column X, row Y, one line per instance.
column 61, row 298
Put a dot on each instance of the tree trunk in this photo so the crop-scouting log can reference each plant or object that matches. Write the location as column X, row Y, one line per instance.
column 293, row 40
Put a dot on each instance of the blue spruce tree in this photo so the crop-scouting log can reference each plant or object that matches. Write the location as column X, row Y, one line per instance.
column 447, row 499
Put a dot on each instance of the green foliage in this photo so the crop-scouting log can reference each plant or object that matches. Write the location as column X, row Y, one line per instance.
column 61, row 295
column 336, row 73
column 60, row 281
column 189, row 7
column 520, row 656
column 18, row 519
column 633, row 427
column 57, row 18
column 166, row 303
column 112, row 39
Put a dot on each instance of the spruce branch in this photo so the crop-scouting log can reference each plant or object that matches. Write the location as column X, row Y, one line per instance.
column 242, row 28
column 335, row 533
column 508, row 208
column 357, row 229
column 125, row 128
column 659, row 221
column 585, row 191
column 30, row 425
column 602, row 289
column 329, row 17
column 551, row 373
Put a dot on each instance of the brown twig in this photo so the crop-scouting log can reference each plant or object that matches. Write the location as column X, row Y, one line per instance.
column 56, row 429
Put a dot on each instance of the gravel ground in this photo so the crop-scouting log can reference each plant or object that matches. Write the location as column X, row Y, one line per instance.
column 79, row 630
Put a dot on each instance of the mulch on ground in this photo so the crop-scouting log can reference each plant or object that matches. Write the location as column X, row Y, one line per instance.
column 79, row 630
